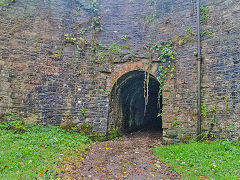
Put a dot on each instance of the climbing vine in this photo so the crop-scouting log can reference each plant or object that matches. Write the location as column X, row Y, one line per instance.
column 205, row 113
column 163, row 51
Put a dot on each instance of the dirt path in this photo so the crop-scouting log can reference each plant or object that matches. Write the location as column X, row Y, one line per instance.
column 128, row 157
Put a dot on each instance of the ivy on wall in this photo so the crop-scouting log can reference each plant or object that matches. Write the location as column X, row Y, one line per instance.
column 163, row 51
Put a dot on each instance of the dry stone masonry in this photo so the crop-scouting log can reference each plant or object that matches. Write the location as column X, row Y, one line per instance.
column 88, row 61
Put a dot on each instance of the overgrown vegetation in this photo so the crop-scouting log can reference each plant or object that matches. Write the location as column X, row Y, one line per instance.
column 215, row 160
column 30, row 151
column 35, row 151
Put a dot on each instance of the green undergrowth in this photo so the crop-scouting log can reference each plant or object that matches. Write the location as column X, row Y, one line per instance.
column 30, row 151
column 203, row 160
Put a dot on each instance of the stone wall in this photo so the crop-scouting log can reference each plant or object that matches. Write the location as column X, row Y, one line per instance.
column 46, row 77
column 221, row 70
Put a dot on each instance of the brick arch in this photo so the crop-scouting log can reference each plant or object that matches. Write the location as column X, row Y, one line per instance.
column 122, row 69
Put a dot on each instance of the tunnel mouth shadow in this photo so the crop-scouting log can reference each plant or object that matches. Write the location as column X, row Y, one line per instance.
column 135, row 103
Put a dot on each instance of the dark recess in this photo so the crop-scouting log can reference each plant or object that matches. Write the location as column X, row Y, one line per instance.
column 128, row 92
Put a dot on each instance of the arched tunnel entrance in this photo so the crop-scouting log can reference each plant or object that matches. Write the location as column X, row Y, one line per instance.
column 135, row 103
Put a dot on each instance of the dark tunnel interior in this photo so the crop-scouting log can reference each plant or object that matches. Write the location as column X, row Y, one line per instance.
column 129, row 92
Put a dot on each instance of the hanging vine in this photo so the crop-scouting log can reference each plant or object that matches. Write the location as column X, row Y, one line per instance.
column 146, row 90
column 146, row 82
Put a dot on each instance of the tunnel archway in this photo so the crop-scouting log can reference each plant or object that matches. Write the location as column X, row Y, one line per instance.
column 129, row 110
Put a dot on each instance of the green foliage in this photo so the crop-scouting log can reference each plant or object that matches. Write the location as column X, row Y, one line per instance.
column 159, row 115
column 163, row 51
column 70, row 38
column 215, row 160
column 83, row 113
column 189, row 30
column 126, row 48
column 93, row 7
column 96, row 136
column 38, row 152
column 175, row 123
column 56, row 55
column 96, row 23
column 16, row 126
column 206, row 33
column 101, row 57
column 150, row 18
column 95, row 46
column 231, row 128
column 87, row 130
column 114, row 49
column 82, row 31
column 4, row 3
column 204, row 14
column 113, row 134
column 213, row 112
column 125, row 38
column 186, row 38
column 204, row 110
column 9, row 116
column 14, row 122
column 107, row 91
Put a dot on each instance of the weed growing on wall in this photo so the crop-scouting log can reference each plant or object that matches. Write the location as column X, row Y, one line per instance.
column 204, row 14
column 206, row 113
column 206, row 33
column 125, row 38
column 4, row 3
column 188, row 37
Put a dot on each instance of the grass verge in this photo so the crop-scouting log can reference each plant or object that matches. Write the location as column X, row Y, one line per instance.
column 203, row 160
column 36, row 151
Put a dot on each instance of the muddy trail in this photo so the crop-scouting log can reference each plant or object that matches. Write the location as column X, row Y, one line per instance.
column 128, row 157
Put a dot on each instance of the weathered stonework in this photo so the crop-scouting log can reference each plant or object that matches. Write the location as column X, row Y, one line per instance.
column 44, row 77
